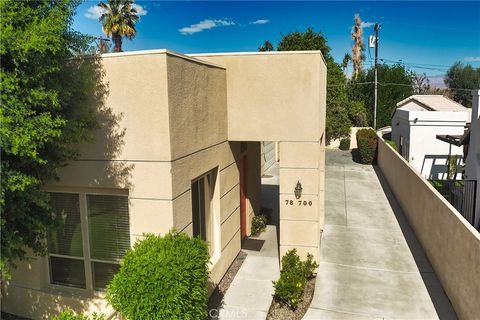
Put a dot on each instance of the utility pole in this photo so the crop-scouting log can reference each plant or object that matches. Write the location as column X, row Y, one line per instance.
column 102, row 44
column 376, row 78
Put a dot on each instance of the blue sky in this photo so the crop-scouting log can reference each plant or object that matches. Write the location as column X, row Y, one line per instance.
column 427, row 36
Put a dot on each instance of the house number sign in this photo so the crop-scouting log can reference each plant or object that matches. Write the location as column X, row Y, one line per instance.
column 298, row 195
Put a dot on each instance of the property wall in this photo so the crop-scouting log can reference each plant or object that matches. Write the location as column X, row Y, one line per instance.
column 452, row 245
column 274, row 96
column 426, row 153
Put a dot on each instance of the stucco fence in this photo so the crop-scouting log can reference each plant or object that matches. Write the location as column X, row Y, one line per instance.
column 450, row 242
column 335, row 144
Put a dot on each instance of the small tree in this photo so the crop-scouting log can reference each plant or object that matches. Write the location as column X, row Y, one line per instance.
column 266, row 46
column 162, row 278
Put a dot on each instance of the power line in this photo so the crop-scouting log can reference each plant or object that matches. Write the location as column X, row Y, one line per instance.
column 385, row 84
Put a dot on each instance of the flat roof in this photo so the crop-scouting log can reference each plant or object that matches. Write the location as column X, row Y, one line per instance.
column 159, row 51
column 248, row 53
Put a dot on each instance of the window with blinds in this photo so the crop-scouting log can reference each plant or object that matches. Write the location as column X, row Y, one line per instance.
column 91, row 261
column 109, row 235
column 65, row 243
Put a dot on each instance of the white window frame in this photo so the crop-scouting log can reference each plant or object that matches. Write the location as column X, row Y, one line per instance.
column 82, row 194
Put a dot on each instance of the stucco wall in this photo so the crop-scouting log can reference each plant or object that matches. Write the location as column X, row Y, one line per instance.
column 274, row 96
column 452, row 245
column 419, row 129
column 159, row 130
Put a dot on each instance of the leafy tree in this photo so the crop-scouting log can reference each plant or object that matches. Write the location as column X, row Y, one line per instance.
column 395, row 84
column 266, row 46
column 337, row 120
column 346, row 59
column 118, row 21
column 459, row 77
column 47, row 93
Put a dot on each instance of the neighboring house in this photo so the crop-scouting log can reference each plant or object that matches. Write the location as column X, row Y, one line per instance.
column 472, row 164
column 179, row 147
column 417, row 121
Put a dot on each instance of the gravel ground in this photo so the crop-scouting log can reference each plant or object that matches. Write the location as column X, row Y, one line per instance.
column 8, row 316
column 279, row 311
column 216, row 299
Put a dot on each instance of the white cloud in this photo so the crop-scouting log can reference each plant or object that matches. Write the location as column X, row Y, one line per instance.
column 366, row 24
column 260, row 21
column 205, row 25
column 472, row 59
column 94, row 12
column 141, row 11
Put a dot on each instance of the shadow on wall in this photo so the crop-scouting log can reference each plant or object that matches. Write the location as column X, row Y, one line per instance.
column 108, row 137
column 438, row 297
column 104, row 143
column 435, row 167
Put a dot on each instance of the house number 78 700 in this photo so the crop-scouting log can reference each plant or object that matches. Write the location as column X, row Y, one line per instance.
column 299, row 202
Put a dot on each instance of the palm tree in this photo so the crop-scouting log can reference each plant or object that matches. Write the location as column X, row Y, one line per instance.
column 118, row 20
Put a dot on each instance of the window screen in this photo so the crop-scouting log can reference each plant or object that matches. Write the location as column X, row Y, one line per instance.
column 65, row 241
column 109, row 235
column 108, row 226
column 66, row 236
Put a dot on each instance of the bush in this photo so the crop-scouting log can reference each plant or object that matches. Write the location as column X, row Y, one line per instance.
column 345, row 144
column 259, row 224
column 293, row 277
column 70, row 315
column 367, row 145
column 162, row 278
column 392, row 144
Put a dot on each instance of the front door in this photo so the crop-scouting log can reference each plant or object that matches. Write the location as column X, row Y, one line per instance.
column 243, row 197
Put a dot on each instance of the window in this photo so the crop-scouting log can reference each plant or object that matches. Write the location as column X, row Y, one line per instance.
column 90, row 237
column 202, row 191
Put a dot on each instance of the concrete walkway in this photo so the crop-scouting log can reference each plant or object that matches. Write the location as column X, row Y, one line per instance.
column 250, row 293
column 372, row 266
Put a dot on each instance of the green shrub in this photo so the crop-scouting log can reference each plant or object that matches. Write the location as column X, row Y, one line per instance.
column 259, row 224
column 367, row 145
column 392, row 144
column 162, row 278
column 70, row 315
column 293, row 277
column 345, row 144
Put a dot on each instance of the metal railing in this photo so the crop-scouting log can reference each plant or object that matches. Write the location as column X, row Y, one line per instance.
column 461, row 194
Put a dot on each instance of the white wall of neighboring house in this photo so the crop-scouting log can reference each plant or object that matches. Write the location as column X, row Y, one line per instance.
column 472, row 167
column 415, row 130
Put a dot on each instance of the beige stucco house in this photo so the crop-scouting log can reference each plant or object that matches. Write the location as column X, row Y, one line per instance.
column 179, row 147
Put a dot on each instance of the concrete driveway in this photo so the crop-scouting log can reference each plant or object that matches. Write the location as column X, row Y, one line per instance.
column 372, row 266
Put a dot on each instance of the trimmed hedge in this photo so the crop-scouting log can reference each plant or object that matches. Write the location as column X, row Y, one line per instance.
column 162, row 278
column 367, row 145
column 345, row 144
